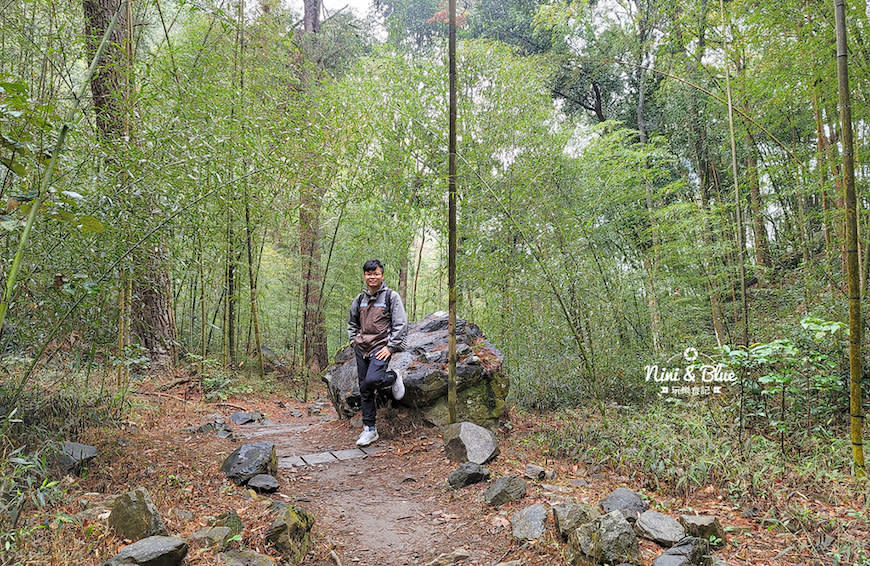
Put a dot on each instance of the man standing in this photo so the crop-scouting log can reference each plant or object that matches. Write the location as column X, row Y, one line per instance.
column 376, row 327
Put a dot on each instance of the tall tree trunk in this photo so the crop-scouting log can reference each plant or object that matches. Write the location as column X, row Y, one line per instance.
column 154, row 321
column 112, row 90
column 314, row 345
column 759, row 232
column 110, row 86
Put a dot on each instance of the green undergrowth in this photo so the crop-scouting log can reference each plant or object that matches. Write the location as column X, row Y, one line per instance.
column 680, row 449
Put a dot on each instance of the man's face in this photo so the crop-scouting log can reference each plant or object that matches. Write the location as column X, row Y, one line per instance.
column 374, row 278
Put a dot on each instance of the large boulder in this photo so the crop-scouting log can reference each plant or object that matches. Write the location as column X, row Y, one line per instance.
column 249, row 460
column 481, row 385
column 134, row 515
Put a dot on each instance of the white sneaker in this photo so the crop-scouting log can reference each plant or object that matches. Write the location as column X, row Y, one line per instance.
column 398, row 388
column 369, row 435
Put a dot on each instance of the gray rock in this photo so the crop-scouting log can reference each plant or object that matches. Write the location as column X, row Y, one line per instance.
column 481, row 387
column 467, row 474
column 244, row 557
column 704, row 526
column 264, row 483
column 134, row 515
column 230, row 519
column 248, row 460
column 435, row 357
column 528, row 523
column 468, row 442
column 628, row 502
column 246, row 417
column 535, row 472
column 691, row 551
column 502, row 490
column 608, row 538
column 151, row 551
column 74, row 455
column 212, row 537
column 568, row 516
column 447, row 558
column 290, row 534
column 660, row 528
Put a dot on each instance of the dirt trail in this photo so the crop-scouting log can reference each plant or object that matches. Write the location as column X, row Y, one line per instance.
column 390, row 507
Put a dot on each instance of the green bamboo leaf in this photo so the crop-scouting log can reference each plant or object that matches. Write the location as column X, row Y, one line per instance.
column 26, row 197
column 14, row 144
column 90, row 224
column 65, row 216
column 16, row 168
column 9, row 225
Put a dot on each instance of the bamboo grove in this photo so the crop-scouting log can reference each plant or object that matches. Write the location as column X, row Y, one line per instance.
column 634, row 178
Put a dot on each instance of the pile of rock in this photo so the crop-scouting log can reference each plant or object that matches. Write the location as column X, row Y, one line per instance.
column 134, row 516
column 604, row 534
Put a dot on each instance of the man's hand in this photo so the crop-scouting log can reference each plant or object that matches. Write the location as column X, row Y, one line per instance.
column 383, row 353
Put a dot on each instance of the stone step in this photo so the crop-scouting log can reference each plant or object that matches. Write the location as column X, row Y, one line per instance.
column 328, row 457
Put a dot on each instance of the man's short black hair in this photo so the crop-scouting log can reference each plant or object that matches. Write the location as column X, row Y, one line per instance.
column 372, row 265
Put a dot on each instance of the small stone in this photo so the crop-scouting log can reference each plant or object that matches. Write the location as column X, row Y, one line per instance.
column 74, row 455
column 502, row 490
column 660, row 528
column 134, row 516
column 528, row 523
column 535, row 472
column 183, row 515
column 691, row 551
column 245, row 557
column 151, row 551
column 230, row 519
column 446, row 558
column 248, row 460
column 704, row 526
column 290, row 534
column 467, row 474
column 468, row 442
column 568, row 516
column 213, row 536
column 263, row 483
column 628, row 502
column 609, row 538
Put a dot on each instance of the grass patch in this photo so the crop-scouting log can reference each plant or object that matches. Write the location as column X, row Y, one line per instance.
column 679, row 449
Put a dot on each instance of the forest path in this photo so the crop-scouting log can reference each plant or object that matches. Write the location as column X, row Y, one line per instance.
column 387, row 504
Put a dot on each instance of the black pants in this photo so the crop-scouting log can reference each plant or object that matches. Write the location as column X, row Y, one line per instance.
column 372, row 374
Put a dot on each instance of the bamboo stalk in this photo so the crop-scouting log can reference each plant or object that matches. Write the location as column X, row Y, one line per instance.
column 855, row 322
